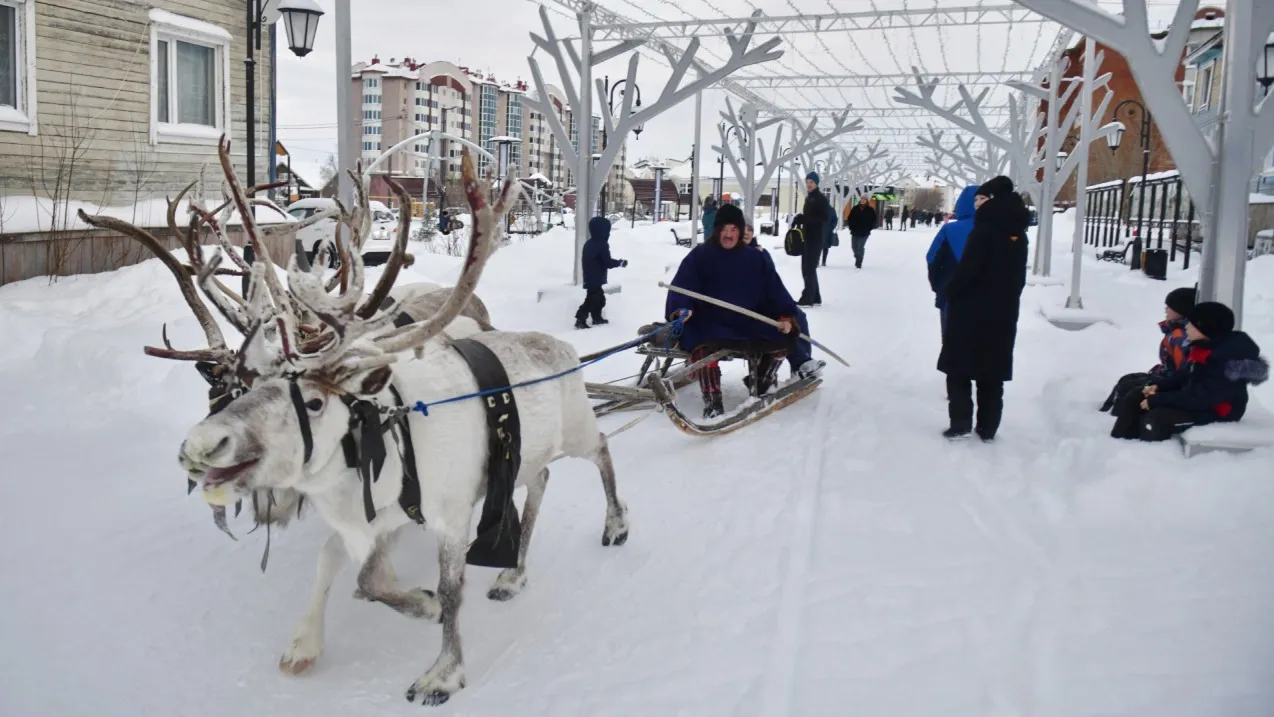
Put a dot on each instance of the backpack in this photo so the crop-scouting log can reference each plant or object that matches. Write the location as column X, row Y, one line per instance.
column 794, row 240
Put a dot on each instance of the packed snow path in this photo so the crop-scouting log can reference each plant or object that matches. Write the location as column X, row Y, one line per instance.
column 839, row 558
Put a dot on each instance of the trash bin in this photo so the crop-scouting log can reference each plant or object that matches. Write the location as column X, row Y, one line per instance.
column 1154, row 263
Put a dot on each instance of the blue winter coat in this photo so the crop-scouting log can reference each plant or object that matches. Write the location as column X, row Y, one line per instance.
column 595, row 259
column 741, row 276
column 948, row 246
column 1213, row 386
column 709, row 218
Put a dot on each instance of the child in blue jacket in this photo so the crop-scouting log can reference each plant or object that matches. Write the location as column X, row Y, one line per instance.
column 596, row 263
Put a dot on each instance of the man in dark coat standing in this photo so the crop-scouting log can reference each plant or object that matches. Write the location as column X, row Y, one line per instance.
column 817, row 214
column 983, row 299
column 889, row 219
column 862, row 219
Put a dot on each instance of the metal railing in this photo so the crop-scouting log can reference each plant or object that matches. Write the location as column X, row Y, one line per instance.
column 1164, row 212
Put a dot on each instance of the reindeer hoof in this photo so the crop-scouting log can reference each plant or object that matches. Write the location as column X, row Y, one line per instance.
column 616, row 531
column 425, row 605
column 507, row 586
column 433, row 692
column 301, row 655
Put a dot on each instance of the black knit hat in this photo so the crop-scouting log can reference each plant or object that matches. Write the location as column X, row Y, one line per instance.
column 996, row 187
column 1181, row 300
column 1212, row 319
column 728, row 214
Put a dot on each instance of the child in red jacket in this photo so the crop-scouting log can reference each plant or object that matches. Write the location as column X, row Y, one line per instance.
column 1212, row 388
column 1172, row 349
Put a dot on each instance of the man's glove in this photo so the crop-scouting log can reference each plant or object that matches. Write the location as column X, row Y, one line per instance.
column 623, row 262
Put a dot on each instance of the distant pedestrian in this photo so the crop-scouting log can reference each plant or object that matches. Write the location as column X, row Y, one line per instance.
column 862, row 219
column 906, row 215
column 889, row 219
column 816, row 214
column 709, row 214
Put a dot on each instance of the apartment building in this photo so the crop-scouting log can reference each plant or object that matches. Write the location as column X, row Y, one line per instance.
column 398, row 99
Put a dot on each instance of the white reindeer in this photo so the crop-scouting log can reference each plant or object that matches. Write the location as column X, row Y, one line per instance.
column 258, row 442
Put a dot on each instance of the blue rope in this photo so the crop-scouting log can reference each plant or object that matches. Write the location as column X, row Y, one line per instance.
column 423, row 408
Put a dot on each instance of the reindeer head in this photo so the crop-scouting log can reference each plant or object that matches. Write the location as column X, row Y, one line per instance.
column 286, row 432
column 260, row 317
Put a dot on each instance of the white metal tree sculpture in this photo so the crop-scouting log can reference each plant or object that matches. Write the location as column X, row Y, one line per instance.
column 1216, row 170
column 959, row 161
column 573, row 62
column 1055, row 172
column 806, row 139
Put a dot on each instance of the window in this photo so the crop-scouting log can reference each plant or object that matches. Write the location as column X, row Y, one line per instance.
column 17, row 66
column 1187, row 86
column 1205, row 87
column 190, row 86
column 371, row 99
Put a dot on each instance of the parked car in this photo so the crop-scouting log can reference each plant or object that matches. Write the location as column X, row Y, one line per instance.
column 375, row 250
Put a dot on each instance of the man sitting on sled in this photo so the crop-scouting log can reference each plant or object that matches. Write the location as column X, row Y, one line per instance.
column 726, row 269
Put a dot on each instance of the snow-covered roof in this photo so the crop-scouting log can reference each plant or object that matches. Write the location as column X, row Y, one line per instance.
column 189, row 24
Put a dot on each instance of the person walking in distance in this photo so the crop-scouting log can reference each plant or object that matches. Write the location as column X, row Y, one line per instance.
column 862, row 219
column 983, row 301
column 889, row 219
column 816, row 212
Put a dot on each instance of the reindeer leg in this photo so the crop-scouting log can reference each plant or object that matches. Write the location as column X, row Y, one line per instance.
column 616, row 532
column 511, row 580
column 446, row 677
column 307, row 641
column 377, row 583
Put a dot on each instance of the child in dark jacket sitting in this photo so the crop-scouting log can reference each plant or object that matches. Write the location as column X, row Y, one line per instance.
column 1172, row 349
column 1212, row 388
column 596, row 262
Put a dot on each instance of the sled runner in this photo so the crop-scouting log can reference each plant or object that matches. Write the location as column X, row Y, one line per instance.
column 660, row 378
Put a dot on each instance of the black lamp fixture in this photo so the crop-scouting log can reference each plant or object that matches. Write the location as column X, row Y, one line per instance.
column 300, row 19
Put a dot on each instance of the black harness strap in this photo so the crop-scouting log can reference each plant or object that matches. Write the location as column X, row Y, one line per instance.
column 303, row 418
column 409, row 498
column 499, row 530
column 367, row 453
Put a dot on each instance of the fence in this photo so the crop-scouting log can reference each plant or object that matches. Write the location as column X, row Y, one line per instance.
column 1164, row 211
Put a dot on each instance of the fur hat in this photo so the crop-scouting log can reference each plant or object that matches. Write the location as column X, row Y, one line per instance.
column 1181, row 300
column 728, row 214
column 812, row 177
column 996, row 187
column 1212, row 319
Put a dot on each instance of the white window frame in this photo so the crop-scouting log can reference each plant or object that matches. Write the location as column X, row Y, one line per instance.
column 1205, row 88
column 23, row 118
column 173, row 28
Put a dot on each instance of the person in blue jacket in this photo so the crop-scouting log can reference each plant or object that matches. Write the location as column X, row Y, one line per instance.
column 724, row 268
column 947, row 248
column 709, row 214
column 596, row 263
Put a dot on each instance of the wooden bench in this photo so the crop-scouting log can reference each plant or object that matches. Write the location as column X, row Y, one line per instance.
column 1255, row 430
column 680, row 241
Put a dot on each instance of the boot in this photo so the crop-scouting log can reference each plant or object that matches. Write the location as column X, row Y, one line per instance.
column 599, row 321
column 990, row 408
column 959, row 407
column 581, row 324
column 713, row 406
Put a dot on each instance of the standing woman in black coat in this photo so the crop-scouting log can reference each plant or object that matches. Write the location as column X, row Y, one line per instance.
column 983, row 299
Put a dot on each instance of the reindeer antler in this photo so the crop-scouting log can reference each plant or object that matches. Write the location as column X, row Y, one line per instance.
column 216, row 342
column 396, row 259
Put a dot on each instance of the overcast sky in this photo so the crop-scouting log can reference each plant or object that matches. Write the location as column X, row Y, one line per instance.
column 494, row 35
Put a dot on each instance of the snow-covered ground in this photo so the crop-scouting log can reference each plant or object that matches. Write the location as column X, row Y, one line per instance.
column 839, row 558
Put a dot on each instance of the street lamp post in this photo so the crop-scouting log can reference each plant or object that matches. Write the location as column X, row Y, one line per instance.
column 778, row 192
column 610, row 102
column 300, row 19
column 1265, row 74
column 721, row 161
column 1114, row 139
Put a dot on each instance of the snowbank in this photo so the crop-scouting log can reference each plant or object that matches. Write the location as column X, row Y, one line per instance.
column 22, row 215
